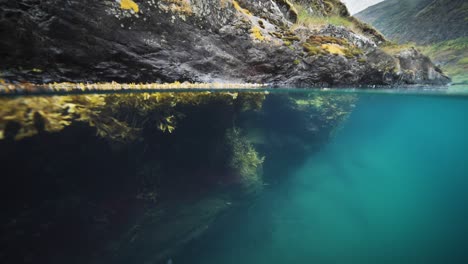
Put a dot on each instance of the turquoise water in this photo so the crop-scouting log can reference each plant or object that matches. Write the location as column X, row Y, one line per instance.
column 390, row 187
column 326, row 177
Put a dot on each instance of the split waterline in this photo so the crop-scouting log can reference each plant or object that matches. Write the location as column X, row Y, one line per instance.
column 236, row 176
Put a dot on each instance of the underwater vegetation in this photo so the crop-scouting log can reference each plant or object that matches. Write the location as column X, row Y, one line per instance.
column 331, row 109
column 117, row 117
column 289, row 128
column 244, row 159
column 119, row 172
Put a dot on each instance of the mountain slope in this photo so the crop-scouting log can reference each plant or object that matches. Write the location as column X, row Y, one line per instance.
column 438, row 27
column 420, row 21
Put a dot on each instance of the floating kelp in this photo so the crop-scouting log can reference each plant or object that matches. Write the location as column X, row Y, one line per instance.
column 66, row 87
column 118, row 117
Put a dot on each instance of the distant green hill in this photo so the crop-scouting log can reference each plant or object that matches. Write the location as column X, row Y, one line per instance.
column 420, row 21
column 438, row 27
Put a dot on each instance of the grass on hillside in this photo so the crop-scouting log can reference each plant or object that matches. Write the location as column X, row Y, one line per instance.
column 452, row 56
column 304, row 18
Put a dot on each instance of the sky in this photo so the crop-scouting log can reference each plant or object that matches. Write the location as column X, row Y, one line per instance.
column 354, row 6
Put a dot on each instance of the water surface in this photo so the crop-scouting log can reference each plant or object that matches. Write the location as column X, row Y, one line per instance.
column 280, row 176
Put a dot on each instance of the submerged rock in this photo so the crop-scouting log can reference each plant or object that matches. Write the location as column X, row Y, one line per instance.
column 195, row 41
column 133, row 178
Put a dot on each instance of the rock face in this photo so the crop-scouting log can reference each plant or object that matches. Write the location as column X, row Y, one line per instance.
column 193, row 40
column 420, row 21
column 415, row 67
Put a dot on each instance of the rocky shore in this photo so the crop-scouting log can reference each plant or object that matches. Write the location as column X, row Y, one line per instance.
column 282, row 43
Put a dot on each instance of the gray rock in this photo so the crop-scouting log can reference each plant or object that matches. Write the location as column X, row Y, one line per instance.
column 415, row 68
column 196, row 41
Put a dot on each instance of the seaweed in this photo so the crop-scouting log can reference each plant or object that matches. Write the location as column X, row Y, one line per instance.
column 118, row 117
column 244, row 159
column 330, row 110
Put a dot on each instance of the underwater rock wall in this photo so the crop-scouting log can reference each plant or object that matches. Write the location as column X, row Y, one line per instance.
column 195, row 41
column 122, row 178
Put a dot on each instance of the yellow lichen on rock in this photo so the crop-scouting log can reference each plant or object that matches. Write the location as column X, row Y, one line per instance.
column 240, row 9
column 129, row 5
column 257, row 33
column 333, row 49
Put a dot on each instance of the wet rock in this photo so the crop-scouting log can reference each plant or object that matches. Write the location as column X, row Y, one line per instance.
column 196, row 41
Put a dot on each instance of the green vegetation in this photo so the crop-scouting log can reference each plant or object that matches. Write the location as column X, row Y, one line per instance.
column 335, row 14
column 321, row 45
column 421, row 21
column 313, row 50
column 305, row 18
column 319, row 40
column 394, row 48
column 157, row 131
column 331, row 109
column 325, row 8
column 459, row 44
column 452, row 57
column 180, row 159
column 118, row 117
column 449, row 55
column 463, row 61
column 437, row 28
column 291, row 38
column 244, row 159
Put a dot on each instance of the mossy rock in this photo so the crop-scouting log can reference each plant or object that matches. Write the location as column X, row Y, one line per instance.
column 313, row 50
column 319, row 40
column 291, row 38
column 368, row 30
column 352, row 52
column 276, row 34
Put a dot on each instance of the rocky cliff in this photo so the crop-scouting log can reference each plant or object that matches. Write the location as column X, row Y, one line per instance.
column 264, row 41
column 438, row 27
